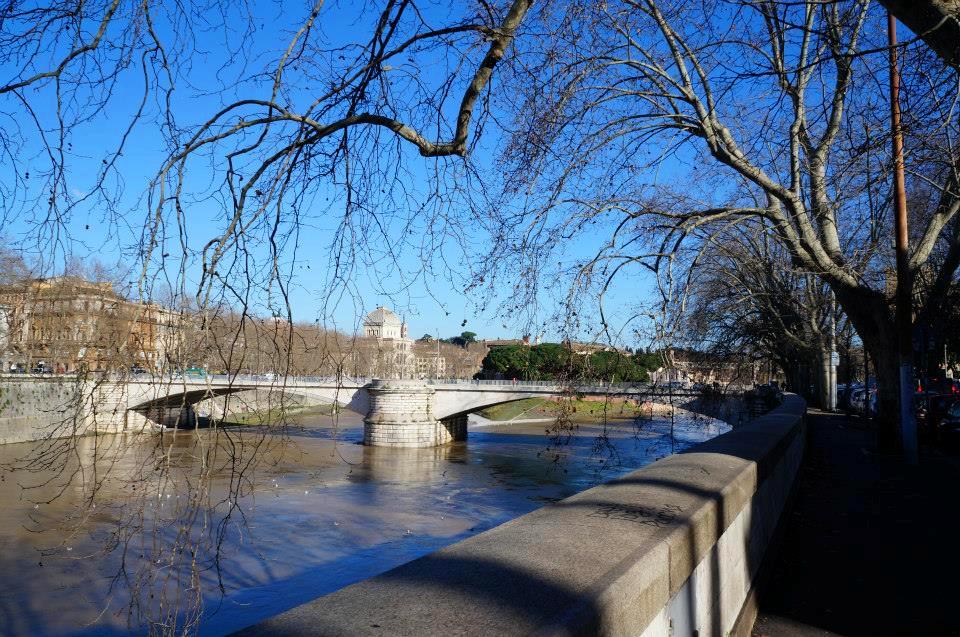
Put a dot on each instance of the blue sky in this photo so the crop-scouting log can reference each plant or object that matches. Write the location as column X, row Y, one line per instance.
column 432, row 302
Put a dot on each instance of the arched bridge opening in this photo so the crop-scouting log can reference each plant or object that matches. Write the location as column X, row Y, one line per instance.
column 171, row 405
column 178, row 410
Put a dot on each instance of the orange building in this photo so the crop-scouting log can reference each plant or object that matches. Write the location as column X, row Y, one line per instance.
column 65, row 324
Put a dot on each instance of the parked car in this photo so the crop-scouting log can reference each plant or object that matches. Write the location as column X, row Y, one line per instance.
column 845, row 395
column 943, row 386
column 196, row 372
column 859, row 400
column 931, row 407
column 948, row 430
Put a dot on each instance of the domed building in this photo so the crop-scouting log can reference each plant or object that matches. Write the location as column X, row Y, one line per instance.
column 383, row 323
column 385, row 351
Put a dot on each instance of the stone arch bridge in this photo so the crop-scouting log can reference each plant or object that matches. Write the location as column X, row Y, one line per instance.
column 397, row 413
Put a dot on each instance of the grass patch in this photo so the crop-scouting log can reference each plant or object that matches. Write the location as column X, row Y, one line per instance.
column 579, row 410
column 516, row 409
column 596, row 410
column 277, row 414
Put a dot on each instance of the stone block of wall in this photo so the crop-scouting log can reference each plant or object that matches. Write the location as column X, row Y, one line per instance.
column 34, row 408
column 401, row 415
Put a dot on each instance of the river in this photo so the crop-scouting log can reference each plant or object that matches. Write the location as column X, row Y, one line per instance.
column 316, row 512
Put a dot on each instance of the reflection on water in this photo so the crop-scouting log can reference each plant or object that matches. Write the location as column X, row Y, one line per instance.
column 319, row 512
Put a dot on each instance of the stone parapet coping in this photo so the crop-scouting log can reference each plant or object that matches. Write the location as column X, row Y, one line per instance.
column 617, row 559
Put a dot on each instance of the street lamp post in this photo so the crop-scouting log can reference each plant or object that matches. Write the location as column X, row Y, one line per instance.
column 904, row 311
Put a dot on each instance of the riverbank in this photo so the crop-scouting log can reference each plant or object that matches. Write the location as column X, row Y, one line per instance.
column 278, row 415
column 579, row 410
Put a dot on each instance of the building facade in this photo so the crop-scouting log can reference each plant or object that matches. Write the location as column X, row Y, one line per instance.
column 430, row 360
column 384, row 350
column 67, row 324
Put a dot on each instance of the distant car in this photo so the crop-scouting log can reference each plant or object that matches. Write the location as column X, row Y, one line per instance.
column 948, row 430
column 42, row 368
column 271, row 376
column 931, row 407
column 845, row 395
column 195, row 371
column 859, row 402
column 136, row 369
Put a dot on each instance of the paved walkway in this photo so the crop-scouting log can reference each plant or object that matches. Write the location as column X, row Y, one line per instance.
column 871, row 546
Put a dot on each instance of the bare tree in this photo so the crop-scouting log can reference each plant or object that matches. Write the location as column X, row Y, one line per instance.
column 651, row 124
column 657, row 119
column 306, row 123
column 745, row 297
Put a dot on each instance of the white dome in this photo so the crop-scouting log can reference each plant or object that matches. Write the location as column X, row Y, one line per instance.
column 383, row 323
column 382, row 316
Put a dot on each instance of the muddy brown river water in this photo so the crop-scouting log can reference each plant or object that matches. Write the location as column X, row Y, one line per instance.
column 316, row 515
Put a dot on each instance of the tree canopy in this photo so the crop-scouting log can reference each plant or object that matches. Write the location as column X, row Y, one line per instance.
column 556, row 361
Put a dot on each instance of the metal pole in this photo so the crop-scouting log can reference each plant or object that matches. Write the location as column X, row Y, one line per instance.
column 833, row 352
column 908, row 425
column 866, row 385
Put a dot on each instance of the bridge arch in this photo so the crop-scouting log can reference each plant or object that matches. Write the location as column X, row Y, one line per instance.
column 166, row 403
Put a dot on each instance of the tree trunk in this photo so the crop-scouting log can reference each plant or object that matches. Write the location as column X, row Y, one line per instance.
column 797, row 379
column 936, row 21
column 822, row 377
column 872, row 316
column 886, row 360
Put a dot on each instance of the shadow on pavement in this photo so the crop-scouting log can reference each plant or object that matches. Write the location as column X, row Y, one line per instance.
column 870, row 545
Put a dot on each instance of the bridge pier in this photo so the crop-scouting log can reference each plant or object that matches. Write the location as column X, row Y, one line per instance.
column 401, row 415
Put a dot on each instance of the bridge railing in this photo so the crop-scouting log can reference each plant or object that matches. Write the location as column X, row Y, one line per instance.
column 273, row 380
column 239, row 379
column 587, row 388
column 469, row 381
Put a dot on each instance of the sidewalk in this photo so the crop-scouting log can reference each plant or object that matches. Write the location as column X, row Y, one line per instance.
column 871, row 546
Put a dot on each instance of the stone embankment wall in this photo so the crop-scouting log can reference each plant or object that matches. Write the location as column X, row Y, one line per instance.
column 671, row 549
column 38, row 408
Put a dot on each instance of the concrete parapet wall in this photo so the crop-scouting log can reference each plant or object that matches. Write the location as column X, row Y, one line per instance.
column 671, row 549
column 37, row 408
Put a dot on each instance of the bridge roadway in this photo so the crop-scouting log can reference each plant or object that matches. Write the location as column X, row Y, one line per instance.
column 397, row 413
